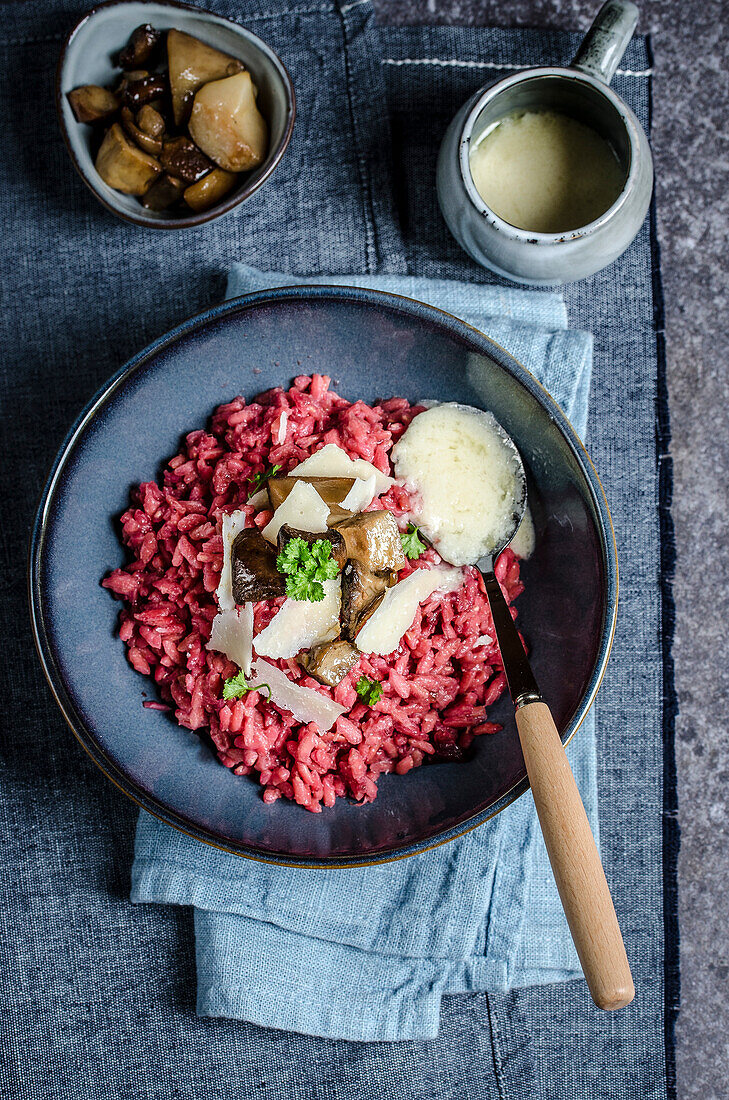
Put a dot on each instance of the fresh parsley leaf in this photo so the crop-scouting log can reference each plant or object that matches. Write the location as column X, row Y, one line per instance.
column 236, row 687
column 301, row 587
column 325, row 568
column 293, row 557
column 368, row 690
column 413, row 546
column 262, row 476
column 307, row 566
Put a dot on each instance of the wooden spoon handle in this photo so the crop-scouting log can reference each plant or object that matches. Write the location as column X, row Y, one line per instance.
column 575, row 860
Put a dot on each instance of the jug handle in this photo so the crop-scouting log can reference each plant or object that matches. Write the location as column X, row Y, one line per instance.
column 607, row 39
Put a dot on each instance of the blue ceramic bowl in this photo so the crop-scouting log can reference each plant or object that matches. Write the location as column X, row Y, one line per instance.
column 88, row 56
column 373, row 345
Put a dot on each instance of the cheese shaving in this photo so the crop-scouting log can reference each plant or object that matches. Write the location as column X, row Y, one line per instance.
column 361, row 495
column 303, row 509
column 232, row 634
column 232, row 526
column 306, row 704
column 333, row 461
column 301, row 624
column 385, row 627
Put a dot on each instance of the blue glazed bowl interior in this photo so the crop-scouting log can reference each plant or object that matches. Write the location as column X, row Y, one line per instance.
column 373, row 345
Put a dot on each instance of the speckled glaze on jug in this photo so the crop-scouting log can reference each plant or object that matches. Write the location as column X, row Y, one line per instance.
column 582, row 90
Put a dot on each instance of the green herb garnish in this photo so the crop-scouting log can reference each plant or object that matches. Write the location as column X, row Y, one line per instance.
column 368, row 690
column 262, row 477
column 413, row 546
column 307, row 566
column 236, row 687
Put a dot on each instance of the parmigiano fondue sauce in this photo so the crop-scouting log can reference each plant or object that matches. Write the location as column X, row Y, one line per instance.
column 467, row 478
column 545, row 172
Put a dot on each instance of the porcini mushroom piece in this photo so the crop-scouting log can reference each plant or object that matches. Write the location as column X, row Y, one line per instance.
column 373, row 540
column 227, row 125
column 92, row 103
column 182, row 158
column 137, row 93
column 127, row 79
column 151, row 145
column 123, row 166
column 164, row 193
column 330, row 662
column 255, row 576
column 210, row 189
column 150, row 121
column 332, row 490
column 193, row 63
column 138, row 51
column 335, row 540
column 362, row 593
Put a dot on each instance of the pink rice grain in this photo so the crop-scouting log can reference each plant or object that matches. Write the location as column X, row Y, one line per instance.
column 436, row 692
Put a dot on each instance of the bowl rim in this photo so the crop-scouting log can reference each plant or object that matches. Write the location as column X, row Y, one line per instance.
column 453, row 326
column 193, row 219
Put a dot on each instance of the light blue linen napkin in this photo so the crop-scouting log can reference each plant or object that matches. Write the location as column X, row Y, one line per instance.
column 367, row 953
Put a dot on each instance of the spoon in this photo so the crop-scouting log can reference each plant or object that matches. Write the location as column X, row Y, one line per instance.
column 572, row 851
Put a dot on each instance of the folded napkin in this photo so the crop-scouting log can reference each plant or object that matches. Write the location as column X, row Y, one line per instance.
column 367, row 953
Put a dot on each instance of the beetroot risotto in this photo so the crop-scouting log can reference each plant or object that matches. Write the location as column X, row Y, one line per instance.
column 386, row 712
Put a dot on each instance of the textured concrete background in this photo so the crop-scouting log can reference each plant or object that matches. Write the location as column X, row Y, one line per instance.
column 691, row 149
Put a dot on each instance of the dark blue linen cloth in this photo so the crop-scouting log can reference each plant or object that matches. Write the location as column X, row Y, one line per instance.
column 97, row 995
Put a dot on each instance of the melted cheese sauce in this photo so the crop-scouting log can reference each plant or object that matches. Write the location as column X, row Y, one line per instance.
column 467, row 479
column 545, row 172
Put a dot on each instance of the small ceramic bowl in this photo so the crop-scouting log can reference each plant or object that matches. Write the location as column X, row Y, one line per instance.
column 88, row 58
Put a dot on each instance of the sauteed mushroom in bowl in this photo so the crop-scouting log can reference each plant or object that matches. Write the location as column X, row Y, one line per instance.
column 172, row 115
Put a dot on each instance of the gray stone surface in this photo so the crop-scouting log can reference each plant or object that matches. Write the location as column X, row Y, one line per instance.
column 691, row 149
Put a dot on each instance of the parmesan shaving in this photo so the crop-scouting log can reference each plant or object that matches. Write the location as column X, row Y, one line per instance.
column 333, row 461
column 260, row 499
column 385, row 627
column 361, row 495
column 303, row 509
column 283, row 421
column 301, row 624
column 232, row 634
column 232, row 526
column 306, row 704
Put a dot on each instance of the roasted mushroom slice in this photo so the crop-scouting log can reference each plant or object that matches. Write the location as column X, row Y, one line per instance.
column 332, row 490
column 151, row 145
column 362, row 592
column 373, row 540
column 150, row 121
column 182, row 158
column 193, row 63
column 123, row 166
column 255, row 576
column 330, row 662
column 164, row 193
column 142, row 44
column 92, row 103
column 338, row 552
column 210, row 189
column 139, row 92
